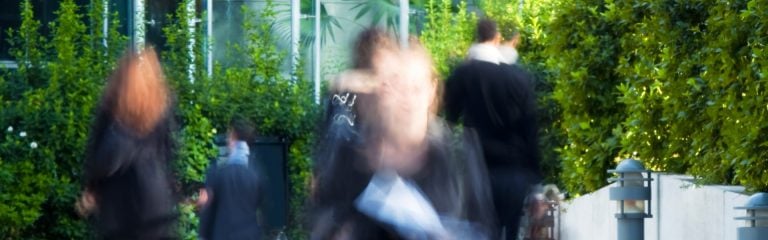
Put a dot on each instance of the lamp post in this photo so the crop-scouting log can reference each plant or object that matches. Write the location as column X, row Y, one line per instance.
column 632, row 193
column 295, row 36
column 756, row 219
column 318, row 41
column 139, row 29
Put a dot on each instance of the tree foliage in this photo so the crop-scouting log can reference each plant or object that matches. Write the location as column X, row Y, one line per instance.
column 582, row 48
column 678, row 84
column 47, row 109
column 447, row 45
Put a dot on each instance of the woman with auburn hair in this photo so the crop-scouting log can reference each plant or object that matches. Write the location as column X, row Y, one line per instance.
column 387, row 167
column 128, row 188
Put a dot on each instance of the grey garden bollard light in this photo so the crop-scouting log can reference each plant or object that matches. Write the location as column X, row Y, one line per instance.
column 757, row 218
column 632, row 192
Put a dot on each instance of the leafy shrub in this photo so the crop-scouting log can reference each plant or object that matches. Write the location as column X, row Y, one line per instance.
column 50, row 97
column 184, row 71
column 677, row 84
column 582, row 48
column 447, row 45
column 733, row 71
column 657, row 89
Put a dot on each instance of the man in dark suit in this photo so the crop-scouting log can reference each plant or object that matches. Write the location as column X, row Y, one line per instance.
column 498, row 101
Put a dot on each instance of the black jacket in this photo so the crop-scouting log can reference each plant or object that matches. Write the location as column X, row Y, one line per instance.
column 499, row 102
column 233, row 210
column 129, row 177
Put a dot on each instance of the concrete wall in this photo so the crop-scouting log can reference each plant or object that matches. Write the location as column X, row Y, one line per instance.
column 680, row 211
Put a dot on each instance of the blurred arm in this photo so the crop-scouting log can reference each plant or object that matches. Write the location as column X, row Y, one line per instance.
column 454, row 97
column 357, row 81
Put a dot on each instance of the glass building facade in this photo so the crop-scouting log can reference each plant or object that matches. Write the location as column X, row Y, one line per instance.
column 321, row 43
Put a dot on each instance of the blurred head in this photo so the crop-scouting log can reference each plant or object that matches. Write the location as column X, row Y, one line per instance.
column 402, row 100
column 407, row 93
column 137, row 93
column 369, row 45
column 240, row 129
column 373, row 45
column 487, row 32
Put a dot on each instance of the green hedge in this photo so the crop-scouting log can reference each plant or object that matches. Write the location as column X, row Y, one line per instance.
column 46, row 107
column 184, row 72
column 447, row 33
column 680, row 84
column 582, row 49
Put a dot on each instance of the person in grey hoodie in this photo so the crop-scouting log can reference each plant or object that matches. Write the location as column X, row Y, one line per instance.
column 234, row 192
column 237, row 138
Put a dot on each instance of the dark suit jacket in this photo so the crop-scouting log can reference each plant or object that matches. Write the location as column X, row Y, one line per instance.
column 499, row 102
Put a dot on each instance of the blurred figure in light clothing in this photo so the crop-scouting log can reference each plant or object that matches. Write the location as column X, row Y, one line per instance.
column 387, row 166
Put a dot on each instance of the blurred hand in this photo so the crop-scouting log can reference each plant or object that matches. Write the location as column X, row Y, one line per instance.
column 86, row 204
column 202, row 198
column 357, row 81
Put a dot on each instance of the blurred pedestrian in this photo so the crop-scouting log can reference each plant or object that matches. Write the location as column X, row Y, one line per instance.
column 387, row 167
column 497, row 100
column 128, row 188
column 540, row 209
column 233, row 191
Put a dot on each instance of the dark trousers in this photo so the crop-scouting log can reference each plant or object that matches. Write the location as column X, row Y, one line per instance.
column 509, row 189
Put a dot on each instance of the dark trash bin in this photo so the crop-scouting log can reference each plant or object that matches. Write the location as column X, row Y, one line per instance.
column 268, row 157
